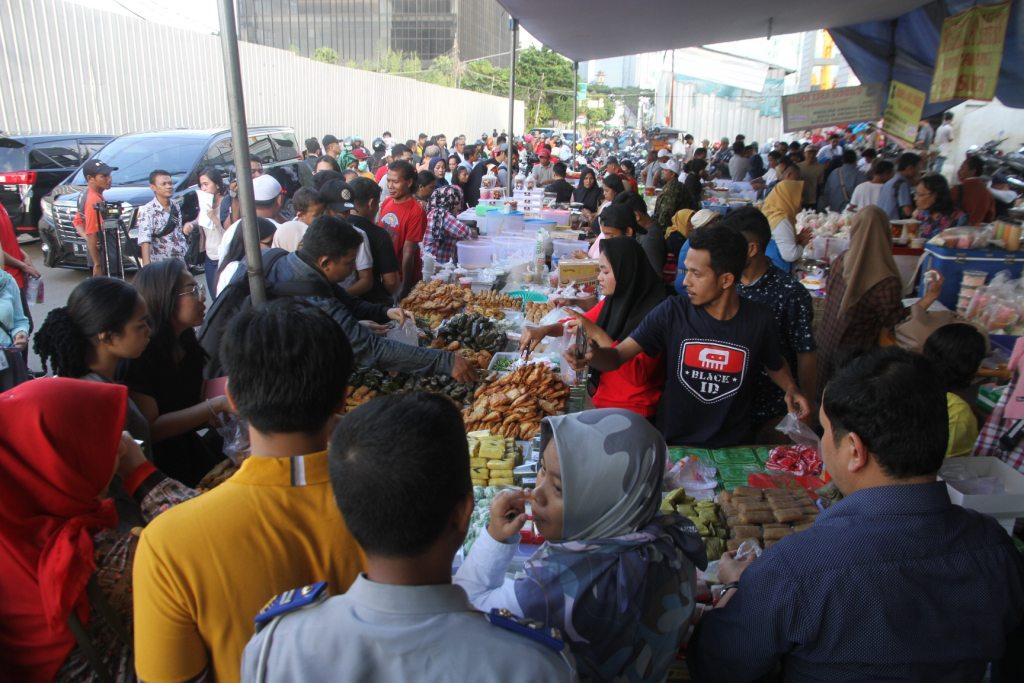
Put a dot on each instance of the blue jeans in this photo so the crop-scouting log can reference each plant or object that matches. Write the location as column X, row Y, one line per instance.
column 211, row 277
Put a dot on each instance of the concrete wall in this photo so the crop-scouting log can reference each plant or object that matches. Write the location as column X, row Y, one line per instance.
column 68, row 68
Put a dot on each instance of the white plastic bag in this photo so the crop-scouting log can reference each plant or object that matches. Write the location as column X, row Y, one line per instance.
column 406, row 333
column 797, row 431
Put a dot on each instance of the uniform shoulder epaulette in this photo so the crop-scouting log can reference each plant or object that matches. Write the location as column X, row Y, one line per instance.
column 547, row 636
column 292, row 600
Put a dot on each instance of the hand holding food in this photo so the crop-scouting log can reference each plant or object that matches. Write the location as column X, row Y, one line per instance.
column 508, row 515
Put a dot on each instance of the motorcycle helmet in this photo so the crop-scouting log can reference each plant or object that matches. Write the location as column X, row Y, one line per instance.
column 378, row 145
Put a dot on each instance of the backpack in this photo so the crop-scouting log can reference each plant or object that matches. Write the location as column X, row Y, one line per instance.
column 235, row 298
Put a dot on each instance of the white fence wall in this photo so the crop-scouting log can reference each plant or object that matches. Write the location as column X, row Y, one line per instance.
column 713, row 117
column 65, row 67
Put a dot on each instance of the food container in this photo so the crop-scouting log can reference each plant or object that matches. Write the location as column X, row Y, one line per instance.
column 532, row 225
column 965, row 474
column 475, row 253
column 501, row 360
column 973, row 278
column 563, row 248
column 580, row 271
column 512, row 221
column 514, row 248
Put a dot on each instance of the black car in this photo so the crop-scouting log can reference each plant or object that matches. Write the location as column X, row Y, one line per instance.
column 183, row 153
column 32, row 165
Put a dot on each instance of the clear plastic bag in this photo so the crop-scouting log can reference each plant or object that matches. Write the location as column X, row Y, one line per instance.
column 797, row 431
column 406, row 333
column 749, row 548
column 235, row 432
column 691, row 475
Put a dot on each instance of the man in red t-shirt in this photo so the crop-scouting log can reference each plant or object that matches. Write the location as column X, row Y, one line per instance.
column 87, row 221
column 405, row 219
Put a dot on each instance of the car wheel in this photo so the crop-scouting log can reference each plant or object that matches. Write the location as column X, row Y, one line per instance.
column 50, row 250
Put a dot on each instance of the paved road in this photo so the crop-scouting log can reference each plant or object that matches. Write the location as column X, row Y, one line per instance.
column 57, row 284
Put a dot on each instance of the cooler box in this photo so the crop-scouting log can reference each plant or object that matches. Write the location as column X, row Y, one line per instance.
column 953, row 262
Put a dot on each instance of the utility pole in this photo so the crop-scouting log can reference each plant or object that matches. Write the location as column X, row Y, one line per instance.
column 512, row 103
column 575, row 109
column 240, row 148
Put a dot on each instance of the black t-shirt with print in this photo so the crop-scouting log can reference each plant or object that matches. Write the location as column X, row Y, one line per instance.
column 711, row 369
column 561, row 189
column 382, row 250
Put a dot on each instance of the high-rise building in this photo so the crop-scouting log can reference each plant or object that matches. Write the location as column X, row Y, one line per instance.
column 364, row 30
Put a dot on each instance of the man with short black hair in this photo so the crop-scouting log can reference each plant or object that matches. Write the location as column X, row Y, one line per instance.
column 868, row 192
column 830, row 151
column 87, row 221
column 896, row 198
column 399, row 152
column 312, row 153
column 405, row 218
column 501, row 157
column 972, row 194
column 386, row 280
column 841, row 183
column 470, row 157
column 893, row 582
column 790, row 303
column 332, row 147
column 336, row 196
column 712, row 342
column 204, row 568
column 559, row 186
column 403, row 619
column 161, row 233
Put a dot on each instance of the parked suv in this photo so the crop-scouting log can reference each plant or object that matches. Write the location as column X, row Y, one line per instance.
column 183, row 153
column 32, row 165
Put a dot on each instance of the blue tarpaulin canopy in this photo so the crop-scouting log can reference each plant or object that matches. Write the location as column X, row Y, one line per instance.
column 904, row 49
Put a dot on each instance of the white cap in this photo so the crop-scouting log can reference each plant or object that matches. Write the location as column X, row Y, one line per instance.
column 671, row 165
column 663, row 152
column 266, row 188
column 702, row 218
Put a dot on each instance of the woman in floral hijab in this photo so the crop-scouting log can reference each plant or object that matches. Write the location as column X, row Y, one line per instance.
column 443, row 228
column 615, row 577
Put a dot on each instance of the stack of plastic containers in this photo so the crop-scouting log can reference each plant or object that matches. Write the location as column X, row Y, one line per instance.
column 475, row 253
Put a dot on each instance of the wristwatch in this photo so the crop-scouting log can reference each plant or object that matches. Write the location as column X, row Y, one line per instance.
column 726, row 588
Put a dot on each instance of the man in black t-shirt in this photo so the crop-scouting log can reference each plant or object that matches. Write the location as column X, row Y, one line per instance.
column 559, row 187
column 386, row 281
column 714, row 344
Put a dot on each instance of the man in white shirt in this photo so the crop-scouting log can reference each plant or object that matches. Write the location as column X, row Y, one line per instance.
column 543, row 174
column 830, row 151
column 653, row 172
column 771, row 176
column 678, row 148
column 943, row 142
column 867, row 193
column 688, row 147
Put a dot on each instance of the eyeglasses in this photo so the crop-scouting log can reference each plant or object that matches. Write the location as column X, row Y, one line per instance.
column 196, row 290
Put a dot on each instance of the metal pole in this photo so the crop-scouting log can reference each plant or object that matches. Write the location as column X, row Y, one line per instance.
column 240, row 145
column 512, row 102
column 575, row 109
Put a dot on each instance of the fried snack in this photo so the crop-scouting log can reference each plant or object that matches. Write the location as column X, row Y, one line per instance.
column 221, row 472
column 514, row 405
column 758, row 505
column 748, row 491
column 802, row 526
column 436, row 300
column 535, row 311
column 491, row 304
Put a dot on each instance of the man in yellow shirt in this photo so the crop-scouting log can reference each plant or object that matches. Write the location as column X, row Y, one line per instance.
column 204, row 569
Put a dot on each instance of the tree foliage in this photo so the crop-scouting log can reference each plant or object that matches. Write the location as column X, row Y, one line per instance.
column 326, row 55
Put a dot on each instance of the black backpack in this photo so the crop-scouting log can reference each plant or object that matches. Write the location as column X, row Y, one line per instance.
column 235, row 298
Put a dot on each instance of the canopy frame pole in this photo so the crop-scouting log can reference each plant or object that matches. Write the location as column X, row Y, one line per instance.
column 514, row 25
column 575, row 109
column 240, row 150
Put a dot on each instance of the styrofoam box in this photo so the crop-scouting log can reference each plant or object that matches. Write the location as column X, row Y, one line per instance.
column 1005, row 507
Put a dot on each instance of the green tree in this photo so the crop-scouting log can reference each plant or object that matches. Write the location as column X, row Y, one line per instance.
column 326, row 55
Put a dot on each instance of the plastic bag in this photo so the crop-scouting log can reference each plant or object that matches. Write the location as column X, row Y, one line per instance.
column 235, row 432
column 406, row 333
column 690, row 474
column 797, row 431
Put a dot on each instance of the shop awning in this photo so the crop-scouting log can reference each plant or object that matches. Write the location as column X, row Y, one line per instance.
column 909, row 43
column 592, row 29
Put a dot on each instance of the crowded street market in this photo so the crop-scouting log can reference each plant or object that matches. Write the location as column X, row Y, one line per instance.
column 600, row 404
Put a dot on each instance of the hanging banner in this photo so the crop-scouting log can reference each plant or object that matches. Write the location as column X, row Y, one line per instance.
column 835, row 107
column 903, row 113
column 970, row 54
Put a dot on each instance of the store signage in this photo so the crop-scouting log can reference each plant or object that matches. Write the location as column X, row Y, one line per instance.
column 970, row 54
column 835, row 107
column 903, row 113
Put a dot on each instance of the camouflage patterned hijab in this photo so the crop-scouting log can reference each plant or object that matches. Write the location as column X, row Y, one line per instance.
column 612, row 465
column 620, row 586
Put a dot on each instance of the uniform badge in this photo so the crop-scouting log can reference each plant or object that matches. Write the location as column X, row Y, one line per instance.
column 292, row 600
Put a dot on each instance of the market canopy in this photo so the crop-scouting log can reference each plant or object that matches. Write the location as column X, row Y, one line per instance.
column 593, row 29
column 904, row 49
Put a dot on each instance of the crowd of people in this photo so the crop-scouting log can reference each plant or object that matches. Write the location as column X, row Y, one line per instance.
column 328, row 554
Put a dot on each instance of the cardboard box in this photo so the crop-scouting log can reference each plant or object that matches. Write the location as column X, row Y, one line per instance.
column 1006, row 507
column 579, row 271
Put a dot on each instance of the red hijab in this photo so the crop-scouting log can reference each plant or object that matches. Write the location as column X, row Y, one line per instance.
column 58, row 450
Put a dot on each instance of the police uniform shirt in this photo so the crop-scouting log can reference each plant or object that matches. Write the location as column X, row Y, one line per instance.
column 387, row 633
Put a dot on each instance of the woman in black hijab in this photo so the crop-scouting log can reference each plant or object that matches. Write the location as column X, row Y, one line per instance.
column 631, row 290
column 588, row 192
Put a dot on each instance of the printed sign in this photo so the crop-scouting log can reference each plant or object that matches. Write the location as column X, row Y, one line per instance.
column 711, row 370
column 835, row 107
column 903, row 113
column 970, row 54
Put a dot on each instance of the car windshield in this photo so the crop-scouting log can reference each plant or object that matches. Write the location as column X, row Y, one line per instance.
column 13, row 155
column 136, row 157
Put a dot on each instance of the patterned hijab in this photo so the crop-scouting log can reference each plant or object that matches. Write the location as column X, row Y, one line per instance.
column 443, row 205
column 620, row 586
